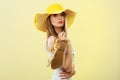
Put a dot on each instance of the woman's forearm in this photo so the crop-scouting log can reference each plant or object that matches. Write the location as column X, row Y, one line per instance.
column 73, row 70
column 68, row 58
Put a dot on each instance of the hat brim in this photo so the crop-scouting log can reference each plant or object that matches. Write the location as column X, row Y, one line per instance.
column 40, row 19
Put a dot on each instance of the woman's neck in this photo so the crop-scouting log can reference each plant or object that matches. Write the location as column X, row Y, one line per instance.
column 58, row 29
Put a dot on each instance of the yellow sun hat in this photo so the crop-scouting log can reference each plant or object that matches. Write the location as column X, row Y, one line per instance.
column 40, row 18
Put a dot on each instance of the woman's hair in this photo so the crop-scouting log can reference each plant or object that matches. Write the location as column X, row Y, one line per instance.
column 50, row 28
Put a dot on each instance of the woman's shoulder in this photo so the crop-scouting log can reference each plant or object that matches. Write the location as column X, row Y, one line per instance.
column 51, row 39
column 50, row 42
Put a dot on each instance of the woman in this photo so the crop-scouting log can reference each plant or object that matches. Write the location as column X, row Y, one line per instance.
column 55, row 22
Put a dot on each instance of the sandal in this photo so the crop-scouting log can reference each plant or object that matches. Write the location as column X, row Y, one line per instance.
column 58, row 54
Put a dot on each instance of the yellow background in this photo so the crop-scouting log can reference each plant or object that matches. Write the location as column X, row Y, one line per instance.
column 95, row 36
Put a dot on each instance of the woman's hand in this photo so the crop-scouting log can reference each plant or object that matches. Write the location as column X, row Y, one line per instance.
column 62, row 36
column 65, row 75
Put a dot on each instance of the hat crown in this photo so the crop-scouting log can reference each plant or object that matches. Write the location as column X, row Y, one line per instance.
column 54, row 8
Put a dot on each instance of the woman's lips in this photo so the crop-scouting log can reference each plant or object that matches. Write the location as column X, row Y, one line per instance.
column 60, row 22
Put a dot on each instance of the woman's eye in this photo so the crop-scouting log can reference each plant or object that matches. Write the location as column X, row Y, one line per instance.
column 63, row 14
column 54, row 15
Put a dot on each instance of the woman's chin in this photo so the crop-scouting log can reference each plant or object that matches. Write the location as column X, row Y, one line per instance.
column 60, row 25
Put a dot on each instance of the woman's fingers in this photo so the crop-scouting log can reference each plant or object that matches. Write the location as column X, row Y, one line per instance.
column 62, row 36
column 65, row 75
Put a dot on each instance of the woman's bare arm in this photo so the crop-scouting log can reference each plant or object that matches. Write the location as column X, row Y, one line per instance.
column 50, row 43
column 66, row 75
column 67, row 64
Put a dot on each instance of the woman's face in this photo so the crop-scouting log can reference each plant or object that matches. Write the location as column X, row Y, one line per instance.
column 58, row 20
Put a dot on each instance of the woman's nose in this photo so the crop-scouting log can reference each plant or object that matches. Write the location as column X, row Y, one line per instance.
column 59, row 17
